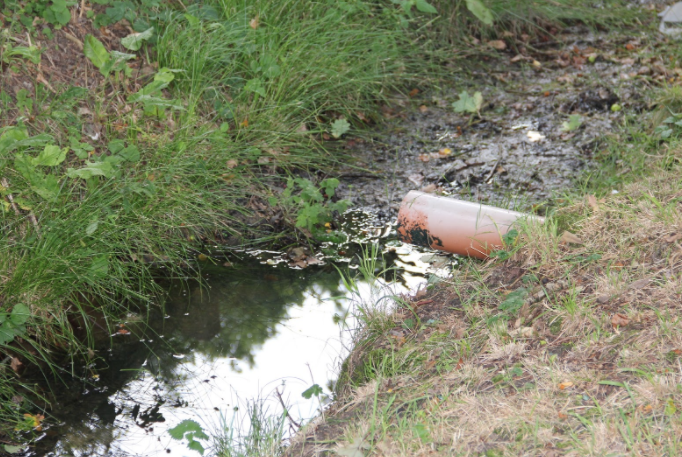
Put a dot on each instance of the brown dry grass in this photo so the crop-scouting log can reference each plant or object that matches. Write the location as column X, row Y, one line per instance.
column 589, row 365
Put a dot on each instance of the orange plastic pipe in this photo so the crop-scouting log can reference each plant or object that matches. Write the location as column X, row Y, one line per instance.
column 456, row 226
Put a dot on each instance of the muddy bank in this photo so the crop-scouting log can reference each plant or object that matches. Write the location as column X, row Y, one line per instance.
column 522, row 150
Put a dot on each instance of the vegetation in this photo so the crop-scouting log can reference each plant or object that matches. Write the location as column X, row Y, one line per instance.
column 137, row 134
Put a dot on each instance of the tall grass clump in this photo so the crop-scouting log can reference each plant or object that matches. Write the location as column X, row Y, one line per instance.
column 256, row 88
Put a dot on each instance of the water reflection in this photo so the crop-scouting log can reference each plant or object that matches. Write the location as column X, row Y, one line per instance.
column 250, row 325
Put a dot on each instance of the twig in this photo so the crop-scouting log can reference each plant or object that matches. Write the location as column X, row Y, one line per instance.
column 492, row 172
column 286, row 410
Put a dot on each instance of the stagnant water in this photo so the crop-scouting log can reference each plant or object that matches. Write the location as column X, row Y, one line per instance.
column 256, row 331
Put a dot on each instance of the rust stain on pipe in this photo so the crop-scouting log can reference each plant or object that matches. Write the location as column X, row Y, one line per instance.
column 455, row 226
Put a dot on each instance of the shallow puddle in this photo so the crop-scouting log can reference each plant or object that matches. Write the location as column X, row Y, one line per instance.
column 256, row 331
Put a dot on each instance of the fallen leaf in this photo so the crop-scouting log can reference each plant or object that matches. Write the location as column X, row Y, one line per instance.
column 302, row 128
column 245, row 122
column 424, row 157
column 619, row 320
column 562, row 416
column 592, row 201
column 254, row 23
column 673, row 237
column 15, row 364
column 445, row 152
column 536, row 64
column 639, row 284
column 569, row 238
column 423, row 109
column 517, row 58
column 416, row 178
column 565, row 385
column 232, row 163
column 264, row 160
column 413, row 93
column 429, row 189
column 497, row 44
column 534, row 136
column 122, row 331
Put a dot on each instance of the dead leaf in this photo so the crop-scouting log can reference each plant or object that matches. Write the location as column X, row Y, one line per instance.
column 640, row 283
column 565, row 385
column 517, row 58
column 254, row 23
column 245, row 122
column 413, row 93
column 619, row 320
column 592, row 201
column 445, row 152
column 673, row 237
column 416, row 178
column 497, row 44
column 429, row 189
column 264, row 160
column 562, row 416
column 302, row 128
column 569, row 238
column 15, row 364
column 603, row 299
column 232, row 163
column 423, row 109
column 355, row 449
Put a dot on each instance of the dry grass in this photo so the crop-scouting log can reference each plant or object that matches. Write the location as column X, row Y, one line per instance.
column 588, row 365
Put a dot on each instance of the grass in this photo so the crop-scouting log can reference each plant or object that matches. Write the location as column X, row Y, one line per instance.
column 255, row 90
column 104, row 190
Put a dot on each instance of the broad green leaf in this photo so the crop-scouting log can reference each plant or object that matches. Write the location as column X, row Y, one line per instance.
column 425, row 7
column 91, row 169
column 467, row 103
column 10, row 137
column 92, row 227
column 315, row 389
column 116, row 146
column 134, row 41
column 13, row 449
column 32, row 53
column 574, row 122
column 514, row 300
column 339, row 127
column 50, row 156
column 47, row 187
column 20, row 314
column 24, row 165
column 6, row 333
column 255, row 85
column 131, row 153
column 186, row 426
column 95, row 51
column 481, row 11
column 99, row 267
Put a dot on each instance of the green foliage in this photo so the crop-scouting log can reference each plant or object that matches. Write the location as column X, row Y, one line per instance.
column 191, row 431
column 104, row 60
column 514, row 300
column 313, row 205
column 151, row 96
column 340, row 127
column 574, row 122
column 314, row 390
column 670, row 127
column 13, row 324
column 481, row 11
column 58, row 13
column 468, row 103
column 134, row 41
column 421, row 5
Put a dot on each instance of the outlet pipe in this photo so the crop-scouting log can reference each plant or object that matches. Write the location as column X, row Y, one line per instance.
column 456, row 226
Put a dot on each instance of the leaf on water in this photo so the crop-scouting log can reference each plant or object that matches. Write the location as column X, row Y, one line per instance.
column 339, row 127
column 481, row 11
column 187, row 426
column 95, row 51
column 467, row 103
column 574, row 123
column 10, row 449
column 315, row 389
column 134, row 41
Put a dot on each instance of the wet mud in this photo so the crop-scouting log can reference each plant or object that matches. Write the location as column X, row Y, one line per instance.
column 521, row 150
